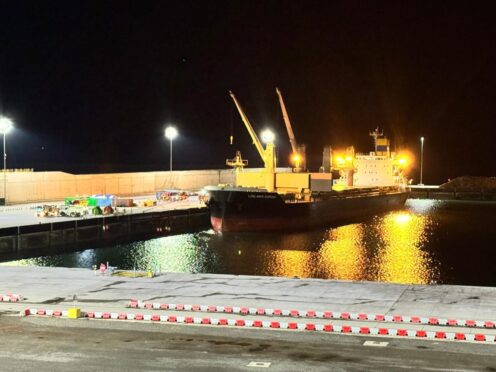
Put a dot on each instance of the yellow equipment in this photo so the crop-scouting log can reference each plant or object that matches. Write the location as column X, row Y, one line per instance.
column 267, row 154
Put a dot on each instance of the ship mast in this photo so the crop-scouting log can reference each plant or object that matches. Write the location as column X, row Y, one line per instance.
column 376, row 134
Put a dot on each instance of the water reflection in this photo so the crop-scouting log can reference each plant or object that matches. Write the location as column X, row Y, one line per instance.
column 391, row 248
column 400, row 258
column 342, row 255
column 290, row 263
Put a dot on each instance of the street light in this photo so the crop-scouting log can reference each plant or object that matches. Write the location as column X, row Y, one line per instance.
column 170, row 133
column 6, row 126
column 421, row 159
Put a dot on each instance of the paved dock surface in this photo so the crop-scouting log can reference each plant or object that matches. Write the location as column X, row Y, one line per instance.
column 54, row 344
column 47, row 285
column 47, row 344
column 25, row 214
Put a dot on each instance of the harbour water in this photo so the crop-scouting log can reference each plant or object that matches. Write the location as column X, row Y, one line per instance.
column 427, row 242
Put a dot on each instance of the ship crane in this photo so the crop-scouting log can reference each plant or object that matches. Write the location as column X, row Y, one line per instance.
column 298, row 155
column 267, row 154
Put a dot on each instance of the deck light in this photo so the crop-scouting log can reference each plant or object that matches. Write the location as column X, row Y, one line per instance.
column 296, row 160
column 268, row 136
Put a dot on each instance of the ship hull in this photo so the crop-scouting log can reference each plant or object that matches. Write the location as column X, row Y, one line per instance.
column 237, row 210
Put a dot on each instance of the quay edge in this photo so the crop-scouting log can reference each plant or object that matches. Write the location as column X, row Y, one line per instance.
column 74, row 234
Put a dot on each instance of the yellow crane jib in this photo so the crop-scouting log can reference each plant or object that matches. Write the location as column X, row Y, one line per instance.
column 289, row 128
column 298, row 155
column 267, row 154
column 249, row 127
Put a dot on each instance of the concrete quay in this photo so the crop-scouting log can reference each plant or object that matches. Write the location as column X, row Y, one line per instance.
column 25, row 214
column 47, row 343
column 436, row 193
column 21, row 231
column 53, row 288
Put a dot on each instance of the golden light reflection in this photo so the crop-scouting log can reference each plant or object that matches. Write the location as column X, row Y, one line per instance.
column 400, row 258
column 393, row 247
column 342, row 254
column 288, row 263
column 402, row 218
column 387, row 248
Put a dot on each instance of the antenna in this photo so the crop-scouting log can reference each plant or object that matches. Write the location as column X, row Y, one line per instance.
column 376, row 134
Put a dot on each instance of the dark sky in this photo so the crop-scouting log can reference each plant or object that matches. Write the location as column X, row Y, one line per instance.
column 91, row 85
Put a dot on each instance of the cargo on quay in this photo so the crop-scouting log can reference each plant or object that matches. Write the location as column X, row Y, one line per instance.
column 348, row 186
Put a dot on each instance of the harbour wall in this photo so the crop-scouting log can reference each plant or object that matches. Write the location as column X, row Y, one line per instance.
column 26, row 187
column 56, row 237
column 439, row 194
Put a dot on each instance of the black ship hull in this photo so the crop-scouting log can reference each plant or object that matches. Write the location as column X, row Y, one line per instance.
column 238, row 209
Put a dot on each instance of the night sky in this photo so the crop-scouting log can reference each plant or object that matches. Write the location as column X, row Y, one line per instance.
column 92, row 85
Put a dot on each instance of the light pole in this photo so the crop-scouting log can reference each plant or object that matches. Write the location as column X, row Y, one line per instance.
column 5, row 126
column 170, row 133
column 421, row 159
column 269, row 155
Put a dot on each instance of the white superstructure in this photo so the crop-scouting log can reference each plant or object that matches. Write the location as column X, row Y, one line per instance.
column 377, row 168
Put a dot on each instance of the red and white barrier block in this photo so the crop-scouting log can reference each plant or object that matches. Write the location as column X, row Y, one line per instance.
column 315, row 314
column 10, row 297
column 236, row 323
column 44, row 312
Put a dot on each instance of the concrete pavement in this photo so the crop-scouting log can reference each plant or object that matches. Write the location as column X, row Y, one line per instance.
column 46, row 285
column 47, row 344
column 24, row 214
column 51, row 344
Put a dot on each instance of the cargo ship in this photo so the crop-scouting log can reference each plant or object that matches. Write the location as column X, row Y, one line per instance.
column 348, row 187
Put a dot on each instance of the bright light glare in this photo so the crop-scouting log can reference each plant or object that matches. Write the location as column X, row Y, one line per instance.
column 5, row 125
column 171, row 133
column 339, row 160
column 296, row 159
column 403, row 162
column 421, row 139
column 404, row 159
column 268, row 136
column 402, row 218
column 349, row 159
